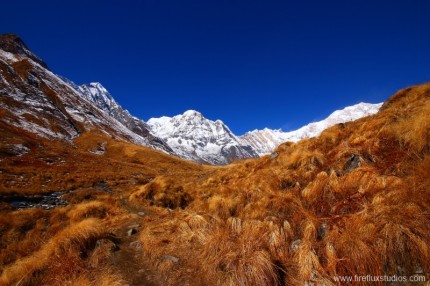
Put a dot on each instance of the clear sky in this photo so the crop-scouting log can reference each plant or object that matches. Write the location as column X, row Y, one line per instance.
column 253, row 64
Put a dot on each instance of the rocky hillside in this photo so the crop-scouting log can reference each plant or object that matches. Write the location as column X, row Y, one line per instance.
column 35, row 100
column 100, row 97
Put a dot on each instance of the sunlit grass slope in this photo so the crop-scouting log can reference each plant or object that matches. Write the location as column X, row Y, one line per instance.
column 354, row 201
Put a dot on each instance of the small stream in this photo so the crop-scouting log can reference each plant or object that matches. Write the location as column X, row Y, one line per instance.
column 44, row 201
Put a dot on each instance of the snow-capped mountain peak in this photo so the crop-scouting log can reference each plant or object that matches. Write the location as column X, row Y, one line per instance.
column 13, row 45
column 97, row 94
column 197, row 138
column 192, row 113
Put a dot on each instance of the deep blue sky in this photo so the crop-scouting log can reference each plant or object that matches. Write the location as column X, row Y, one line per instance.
column 253, row 64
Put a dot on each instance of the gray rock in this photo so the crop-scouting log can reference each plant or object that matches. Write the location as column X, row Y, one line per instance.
column 100, row 150
column 295, row 244
column 136, row 245
column 45, row 201
column 353, row 163
column 273, row 155
column 322, row 229
column 171, row 258
column 131, row 231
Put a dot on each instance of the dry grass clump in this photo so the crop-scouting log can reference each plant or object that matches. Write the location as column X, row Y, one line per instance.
column 222, row 206
column 301, row 156
column 171, row 243
column 413, row 132
column 379, row 242
column 238, row 258
column 162, row 192
column 94, row 209
column 24, row 232
column 234, row 253
column 62, row 258
column 306, row 260
column 58, row 246
column 407, row 112
column 108, row 278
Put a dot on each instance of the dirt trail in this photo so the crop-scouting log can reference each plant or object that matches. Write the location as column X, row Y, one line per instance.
column 129, row 259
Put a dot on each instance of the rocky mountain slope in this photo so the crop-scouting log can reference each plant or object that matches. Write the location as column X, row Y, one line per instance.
column 190, row 136
column 193, row 137
column 197, row 138
column 96, row 93
column 34, row 99
column 38, row 101
column 266, row 140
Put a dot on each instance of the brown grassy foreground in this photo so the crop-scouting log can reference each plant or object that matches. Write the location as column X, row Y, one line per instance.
column 354, row 201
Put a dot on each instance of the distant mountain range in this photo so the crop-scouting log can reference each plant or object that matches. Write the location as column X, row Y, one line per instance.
column 266, row 140
column 192, row 136
column 45, row 104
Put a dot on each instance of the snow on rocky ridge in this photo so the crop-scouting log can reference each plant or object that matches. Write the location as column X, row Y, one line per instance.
column 40, row 102
column 97, row 94
column 194, row 137
column 266, row 140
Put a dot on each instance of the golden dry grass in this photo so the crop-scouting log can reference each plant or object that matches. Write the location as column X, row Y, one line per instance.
column 60, row 259
column 354, row 201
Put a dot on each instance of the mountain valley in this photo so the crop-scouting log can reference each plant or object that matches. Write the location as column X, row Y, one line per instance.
column 91, row 195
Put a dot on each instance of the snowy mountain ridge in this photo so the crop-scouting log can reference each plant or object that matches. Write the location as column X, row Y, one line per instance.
column 96, row 93
column 266, row 140
column 194, row 137
column 38, row 101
